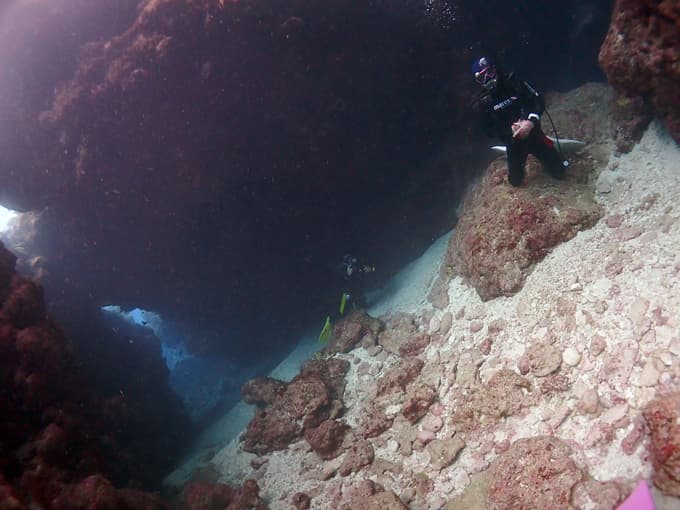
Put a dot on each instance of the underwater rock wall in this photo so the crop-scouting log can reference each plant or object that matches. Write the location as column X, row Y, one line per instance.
column 62, row 443
column 211, row 153
column 640, row 56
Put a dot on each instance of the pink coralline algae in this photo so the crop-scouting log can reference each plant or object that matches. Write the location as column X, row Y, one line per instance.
column 305, row 399
column 379, row 501
column 537, row 472
column 262, row 391
column 414, row 345
column 418, row 401
column 504, row 231
column 326, row 439
column 374, row 421
column 358, row 456
column 662, row 416
column 58, row 437
column 313, row 396
column 199, row 495
column 400, row 376
column 96, row 492
column 399, row 328
column 505, row 394
column 596, row 495
column 640, row 55
column 352, row 329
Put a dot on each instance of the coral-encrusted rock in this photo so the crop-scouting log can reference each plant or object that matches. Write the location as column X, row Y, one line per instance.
column 418, row 401
column 269, row 430
column 504, row 231
column 56, row 433
column 326, row 439
column 662, row 416
column 640, row 55
column 467, row 369
column 399, row 328
column 301, row 501
column 544, row 359
column 351, row 329
column 304, row 397
column 97, row 493
column 314, row 395
column 596, row 495
column 504, row 395
column 555, row 383
column 199, row 495
column 332, row 371
column 414, row 345
column 381, row 501
column 630, row 117
column 374, row 421
column 276, row 427
column 302, row 403
column 24, row 305
column 537, row 472
column 358, row 456
column 262, row 391
column 400, row 376
column 248, row 497
column 359, row 490
column 7, row 264
column 444, row 451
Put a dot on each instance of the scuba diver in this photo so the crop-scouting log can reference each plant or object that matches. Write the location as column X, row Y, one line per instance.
column 353, row 282
column 511, row 109
column 353, row 279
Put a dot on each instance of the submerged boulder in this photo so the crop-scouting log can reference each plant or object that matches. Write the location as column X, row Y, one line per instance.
column 536, row 472
column 311, row 398
column 662, row 415
column 350, row 330
column 504, row 231
column 640, row 55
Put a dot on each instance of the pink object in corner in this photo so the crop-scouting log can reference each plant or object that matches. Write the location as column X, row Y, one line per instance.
column 639, row 499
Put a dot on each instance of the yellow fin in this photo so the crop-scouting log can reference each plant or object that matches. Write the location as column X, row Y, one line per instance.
column 343, row 302
column 326, row 331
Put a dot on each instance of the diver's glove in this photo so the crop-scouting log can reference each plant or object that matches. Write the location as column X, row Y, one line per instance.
column 521, row 129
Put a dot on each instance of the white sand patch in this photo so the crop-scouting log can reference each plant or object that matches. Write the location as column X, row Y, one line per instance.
column 407, row 291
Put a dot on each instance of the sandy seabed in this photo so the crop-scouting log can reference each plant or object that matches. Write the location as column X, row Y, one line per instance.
column 618, row 282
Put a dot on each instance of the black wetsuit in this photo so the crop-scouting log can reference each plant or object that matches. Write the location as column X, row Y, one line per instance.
column 354, row 280
column 509, row 101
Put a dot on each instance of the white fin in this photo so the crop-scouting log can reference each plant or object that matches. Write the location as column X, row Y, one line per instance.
column 568, row 146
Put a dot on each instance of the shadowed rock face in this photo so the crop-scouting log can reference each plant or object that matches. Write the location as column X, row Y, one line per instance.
column 214, row 160
column 641, row 52
column 61, row 433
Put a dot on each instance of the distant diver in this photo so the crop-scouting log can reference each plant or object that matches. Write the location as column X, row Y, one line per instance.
column 511, row 109
column 353, row 287
column 352, row 274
